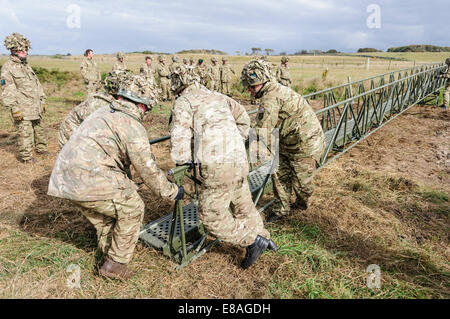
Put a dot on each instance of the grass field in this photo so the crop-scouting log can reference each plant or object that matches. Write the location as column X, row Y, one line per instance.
column 385, row 202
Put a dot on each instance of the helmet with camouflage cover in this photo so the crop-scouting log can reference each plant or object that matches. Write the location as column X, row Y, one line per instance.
column 185, row 61
column 120, row 55
column 161, row 58
column 114, row 79
column 174, row 58
column 191, row 59
column 182, row 78
column 17, row 42
column 137, row 89
column 213, row 59
column 224, row 59
column 284, row 59
column 256, row 72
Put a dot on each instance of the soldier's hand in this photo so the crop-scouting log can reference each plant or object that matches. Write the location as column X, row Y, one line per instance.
column 17, row 115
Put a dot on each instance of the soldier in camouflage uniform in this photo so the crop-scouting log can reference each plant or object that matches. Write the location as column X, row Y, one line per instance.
column 192, row 62
column 446, row 75
column 200, row 72
column 23, row 94
column 225, row 77
column 120, row 63
column 301, row 138
column 80, row 112
column 147, row 72
column 91, row 169
column 283, row 75
column 218, row 126
column 90, row 73
column 213, row 72
column 164, row 77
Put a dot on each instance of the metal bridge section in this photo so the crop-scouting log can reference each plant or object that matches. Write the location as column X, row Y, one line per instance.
column 350, row 112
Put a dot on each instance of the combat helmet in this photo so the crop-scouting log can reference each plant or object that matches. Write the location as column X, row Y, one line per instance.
column 284, row 59
column 120, row 55
column 213, row 59
column 174, row 58
column 136, row 88
column 224, row 59
column 182, row 78
column 256, row 72
column 161, row 58
column 17, row 42
column 114, row 79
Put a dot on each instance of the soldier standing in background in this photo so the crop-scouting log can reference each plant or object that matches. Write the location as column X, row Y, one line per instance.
column 200, row 72
column 225, row 77
column 218, row 125
column 91, row 171
column 446, row 75
column 23, row 94
column 120, row 63
column 301, row 138
column 283, row 75
column 214, row 75
column 164, row 78
column 90, row 73
column 147, row 72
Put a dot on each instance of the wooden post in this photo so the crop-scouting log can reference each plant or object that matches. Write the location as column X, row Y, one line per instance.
column 368, row 64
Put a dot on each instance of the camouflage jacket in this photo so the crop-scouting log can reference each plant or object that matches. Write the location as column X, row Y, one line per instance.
column 163, row 71
column 118, row 66
column 21, row 89
column 283, row 73
column 173, row 66
column 200, row 72
column 89, row 70
column 213, row 72
column 93, row 164
column 216, row 124
column 225, row 73
column 446, row 74
column 147, row 71
column 78, row 114
column 284, row 109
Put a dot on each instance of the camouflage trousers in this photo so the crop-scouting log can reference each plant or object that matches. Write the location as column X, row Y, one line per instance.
column 226, row 88
column 30, row 134
column 92, row 87
column 117, row 222
column 226, row 207
column 214, row 85
column 165, row 87
column 295, row 172
column 447, row 94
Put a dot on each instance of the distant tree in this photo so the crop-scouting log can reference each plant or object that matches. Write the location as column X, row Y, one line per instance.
column 256, row 51
column 361, row 50
column 419, row 48
column 68, row 54
column 283, row 53
column 268, row 51
column 332, row 51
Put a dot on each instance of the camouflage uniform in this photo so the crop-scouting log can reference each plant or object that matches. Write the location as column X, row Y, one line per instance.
column 78, row 114
column 164, row 76
column 219, row 126
column 148, row 73
column 200, row 72
column 283, row 75
column 225, row 77
column 120, row 65
column 213, row 72
column 301, row 144
column 446, row 75
column 91, row 76
column 91, row 172
column 23, row 94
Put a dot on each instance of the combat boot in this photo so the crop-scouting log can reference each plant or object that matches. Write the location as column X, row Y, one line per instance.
column 45, row 153
column 254, row 251
column 28, row 161
column 115, row 270
column 274, row 218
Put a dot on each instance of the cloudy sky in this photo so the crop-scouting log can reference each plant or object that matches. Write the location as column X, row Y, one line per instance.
column 108, row 26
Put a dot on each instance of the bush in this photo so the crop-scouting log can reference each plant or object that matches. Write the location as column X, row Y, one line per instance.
column 60, row 78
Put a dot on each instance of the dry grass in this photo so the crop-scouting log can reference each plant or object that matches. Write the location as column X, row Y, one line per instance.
column 385, row 202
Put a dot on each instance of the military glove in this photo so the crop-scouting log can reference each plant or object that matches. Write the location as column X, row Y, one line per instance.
column 17, row 115
column 180, row 193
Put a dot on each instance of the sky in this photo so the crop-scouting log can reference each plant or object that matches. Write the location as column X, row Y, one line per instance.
column 108, row 26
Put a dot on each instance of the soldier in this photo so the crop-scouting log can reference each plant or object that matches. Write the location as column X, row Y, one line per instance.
column 214, row 75
column 301, row 138
column 192, row 62
column 225, row 77
column 147, row 72
column 91, row 169
column 283, row 76
column 80, row 112
column 446, row 75
column 90, row 73
column 219, row 126
column 174, row 64
column 120, row 64
column 200, row 72
column 164, row 77
column 23, row 94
